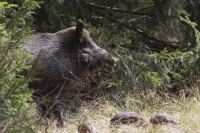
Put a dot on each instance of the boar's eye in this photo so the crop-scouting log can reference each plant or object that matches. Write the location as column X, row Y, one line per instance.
column 84, row 44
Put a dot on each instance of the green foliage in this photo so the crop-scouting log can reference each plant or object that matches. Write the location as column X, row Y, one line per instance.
column 16, row 113
column 143, row 69
column 163, row 70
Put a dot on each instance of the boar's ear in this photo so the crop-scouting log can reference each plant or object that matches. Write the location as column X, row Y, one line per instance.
column 79, row 30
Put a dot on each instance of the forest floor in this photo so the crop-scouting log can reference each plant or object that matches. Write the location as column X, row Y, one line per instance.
column 98, row 114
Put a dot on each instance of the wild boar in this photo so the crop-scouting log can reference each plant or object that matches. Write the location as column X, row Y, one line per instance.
column 59, row 58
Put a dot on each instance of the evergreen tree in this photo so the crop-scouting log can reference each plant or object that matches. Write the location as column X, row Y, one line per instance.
column 16, row 113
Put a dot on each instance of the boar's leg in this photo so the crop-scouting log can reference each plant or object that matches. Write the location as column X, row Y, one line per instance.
column 47, row 104
column 59, row 116
column 58, row 113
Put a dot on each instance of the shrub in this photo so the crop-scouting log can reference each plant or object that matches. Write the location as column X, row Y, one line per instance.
column 16, row 114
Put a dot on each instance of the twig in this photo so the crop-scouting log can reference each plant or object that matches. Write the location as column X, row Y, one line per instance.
column 4, row 129
column 97, row 103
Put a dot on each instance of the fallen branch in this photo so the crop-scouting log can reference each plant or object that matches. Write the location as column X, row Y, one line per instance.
column 150, row 37
column 136, row 12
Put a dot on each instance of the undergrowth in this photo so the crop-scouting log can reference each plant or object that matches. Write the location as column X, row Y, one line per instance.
column 98, row 113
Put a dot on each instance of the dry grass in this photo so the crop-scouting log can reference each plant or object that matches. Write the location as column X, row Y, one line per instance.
column 186, row 110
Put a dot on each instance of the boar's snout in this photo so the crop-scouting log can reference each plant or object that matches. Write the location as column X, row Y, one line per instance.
column 102, row 55
column 109, row 59
column 105, row 56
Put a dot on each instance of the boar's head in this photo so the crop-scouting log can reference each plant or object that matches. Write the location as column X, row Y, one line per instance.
column 90, row 55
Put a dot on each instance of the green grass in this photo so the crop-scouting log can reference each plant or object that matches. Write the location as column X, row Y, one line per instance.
column 182, row 108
